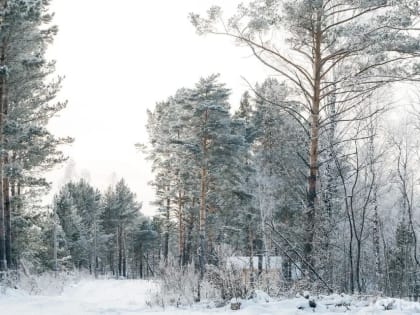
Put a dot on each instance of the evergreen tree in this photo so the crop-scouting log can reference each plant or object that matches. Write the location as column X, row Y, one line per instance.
column 278, row 149
column 71, row 223
column 27, row 103
column 197, row 150
column 119, row 215
column 248, row 221
column 210, row 140
column 306, row 43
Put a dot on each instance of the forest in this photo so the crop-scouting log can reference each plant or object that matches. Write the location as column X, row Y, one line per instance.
column 309, row 184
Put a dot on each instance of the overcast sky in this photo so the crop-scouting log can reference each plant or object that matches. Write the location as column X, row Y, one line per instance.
column 120, row 58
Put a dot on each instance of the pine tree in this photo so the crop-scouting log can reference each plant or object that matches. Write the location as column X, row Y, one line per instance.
column 306, row 42
column 71, row 223
column 86, row 201
column 197, row 150
column 28, row 93
column 215, row 149
column 120, row 212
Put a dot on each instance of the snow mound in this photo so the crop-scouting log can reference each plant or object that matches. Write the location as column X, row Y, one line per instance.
column 259, row 296
column 360, row 305
column 405, row 307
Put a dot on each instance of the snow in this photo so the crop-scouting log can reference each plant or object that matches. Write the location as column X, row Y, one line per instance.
column 85, row 297
column 259, row 296
column 129, row 297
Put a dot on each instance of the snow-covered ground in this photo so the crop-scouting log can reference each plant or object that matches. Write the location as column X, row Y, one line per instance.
column 129, row 297
column 85, row 297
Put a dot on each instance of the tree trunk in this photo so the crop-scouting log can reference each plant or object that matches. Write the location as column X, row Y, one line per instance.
column 203, row 221
column 119, row 246
column 3, row 260
column 358, row 257
column 14, row 200
column 167, row 223
column 180, row 229
column 202, row 256
column 6, row 189
column 375, row 232
column 313, row 147
column 188, row 242
column 351, row 261
column 141, row 262
column 7, row 218
column 260, row 256
column 55, row 250
column 111, row 262
column 95, row 245
column 124, row 253
column 376, row 243
column 203, row 204
column 251, row 256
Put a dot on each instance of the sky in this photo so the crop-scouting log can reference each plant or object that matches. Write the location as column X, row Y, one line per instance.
column 119, row 58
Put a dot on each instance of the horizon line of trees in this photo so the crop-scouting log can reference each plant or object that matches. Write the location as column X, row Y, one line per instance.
column 104, row 233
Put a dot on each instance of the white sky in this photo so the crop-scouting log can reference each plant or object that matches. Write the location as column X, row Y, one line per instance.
column 119, row 59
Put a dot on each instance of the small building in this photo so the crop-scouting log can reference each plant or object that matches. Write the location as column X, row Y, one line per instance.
column 271, row 265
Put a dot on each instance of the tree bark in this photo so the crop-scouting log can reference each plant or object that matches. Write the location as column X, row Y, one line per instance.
column 6, row 190
column 180, row 229
column 119, row 246
column 4, row 178
column 95, row 245
column 376, row 243
column 351, row 257
column 55, row 267
column 376, row 237
column 167, row 223
column 188, row 242
column 251, row 255
column 124, row 258
column 260, row 256
column 313, row 146
column 202, row 257
column 141, row 262
column 203, row 220
column 203, row 204
column 358, row 257
column 7, row 219
column 14, row 201
column 3, row 260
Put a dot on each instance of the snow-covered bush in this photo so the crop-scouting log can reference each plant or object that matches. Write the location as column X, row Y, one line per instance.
column 8, row 279
column 228, row 281
column 177, row 286
column 271, row 283
column 48, row 283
